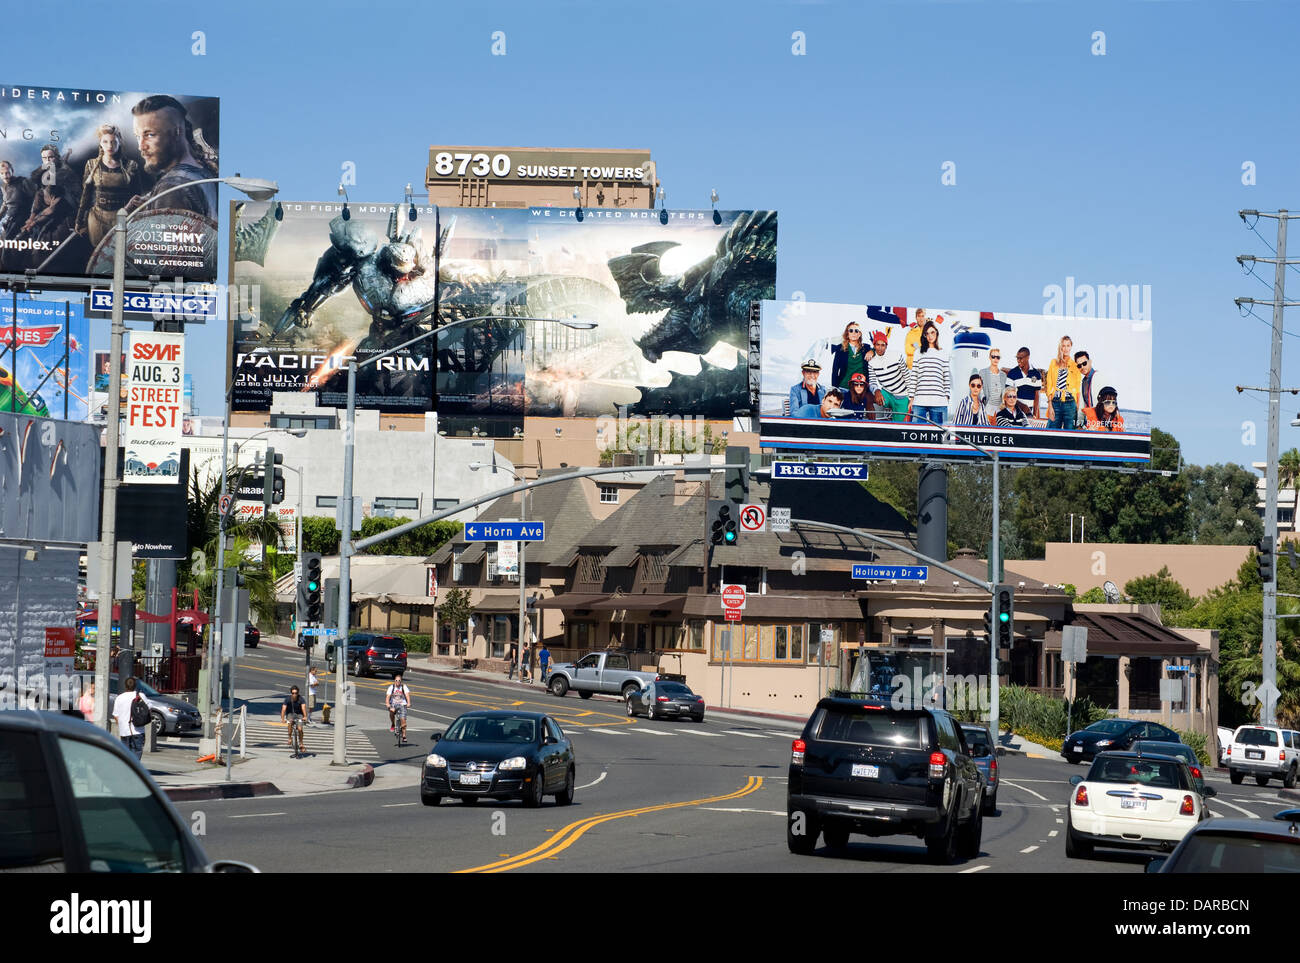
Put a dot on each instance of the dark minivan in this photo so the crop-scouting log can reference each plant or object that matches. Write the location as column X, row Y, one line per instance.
column 369, row 654
column 864, row 766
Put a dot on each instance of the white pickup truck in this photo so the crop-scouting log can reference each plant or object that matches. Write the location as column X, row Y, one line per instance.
column 1264, row 752
column 608, row 672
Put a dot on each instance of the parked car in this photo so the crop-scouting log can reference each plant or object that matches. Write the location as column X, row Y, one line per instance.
column 1237, row 846
column 1110, row 735
column 369, row 654
column 1224, row 740
column 1132, row 801
column 982, row 750
column 252, row 636
column 1179, row 751
column 609, row 672
column 869, row 768
column 171, row 715
column 666, row 700
column 1263, row 752
column 76, row 801
column 500, row 754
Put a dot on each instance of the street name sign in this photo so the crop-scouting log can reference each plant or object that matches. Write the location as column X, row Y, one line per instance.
column 823, row 471
column 319, row 631
column 908, row 573
column 505, row 531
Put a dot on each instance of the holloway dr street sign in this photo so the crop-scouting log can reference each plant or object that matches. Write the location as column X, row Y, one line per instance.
column 505, row 531
column 909, row 573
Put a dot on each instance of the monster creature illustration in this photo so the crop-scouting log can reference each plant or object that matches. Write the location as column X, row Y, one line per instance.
column 715, row 392
column 253, row 241
column 707, row 304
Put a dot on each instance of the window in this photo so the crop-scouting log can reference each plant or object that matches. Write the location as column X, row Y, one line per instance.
column 457, row 569
column 772, row 644
column 491, row 565
column 327, row 501
column 608, row 495
column 397, row 504
column 591, row 568
column 29, row 826
column 317, row 422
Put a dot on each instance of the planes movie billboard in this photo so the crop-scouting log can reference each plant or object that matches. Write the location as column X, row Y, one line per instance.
column 48, row 375
column 656, row 314
column 70, row 158
column 882, row 379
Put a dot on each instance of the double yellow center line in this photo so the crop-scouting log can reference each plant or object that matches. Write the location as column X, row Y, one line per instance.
column 569, row 835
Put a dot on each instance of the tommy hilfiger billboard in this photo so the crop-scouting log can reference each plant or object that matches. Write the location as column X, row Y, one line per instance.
column 897, row 380
column 70, row 158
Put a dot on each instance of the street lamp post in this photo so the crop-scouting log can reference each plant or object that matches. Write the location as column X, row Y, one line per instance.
column 345, row 543
column 258, row 190
column 525, row 629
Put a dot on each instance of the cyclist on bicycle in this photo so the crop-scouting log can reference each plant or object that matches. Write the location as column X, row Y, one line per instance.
column 295, row 710
column 398, row 699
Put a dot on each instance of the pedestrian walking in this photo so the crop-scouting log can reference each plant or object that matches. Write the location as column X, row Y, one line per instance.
column 544, row 657
column 312, row 682
column 530, row 661
column 512, row 657
column 86, row 704
column 129, row 717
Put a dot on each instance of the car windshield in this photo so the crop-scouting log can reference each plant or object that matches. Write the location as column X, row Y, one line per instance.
column 672, row 689
column 492, row 729
column 1248, row 736
column 872, row 727
column 1110, row 727
column 1220, row 852
column 975, row 737
column 1145, row 772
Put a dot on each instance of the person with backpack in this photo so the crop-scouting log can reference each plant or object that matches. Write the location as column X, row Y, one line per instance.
column 132, row 715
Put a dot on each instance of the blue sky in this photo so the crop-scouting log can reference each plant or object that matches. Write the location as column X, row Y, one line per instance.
column 1118, row 169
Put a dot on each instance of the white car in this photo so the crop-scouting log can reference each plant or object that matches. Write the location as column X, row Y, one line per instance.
column 1263, row 752
column 1132, row 800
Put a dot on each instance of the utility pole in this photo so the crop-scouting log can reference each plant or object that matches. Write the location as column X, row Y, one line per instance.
column 1268, row 644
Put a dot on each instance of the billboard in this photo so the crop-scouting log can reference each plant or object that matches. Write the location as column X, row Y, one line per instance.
column 70, row 158
column 101, row 375
column 152, row 519
column 1040, row 387
column 49, row 479
column 48, row 377
column 154, row 409
column 670, row 302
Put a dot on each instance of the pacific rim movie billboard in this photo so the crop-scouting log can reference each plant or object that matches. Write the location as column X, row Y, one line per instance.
column 48, row 377
column 71, row 157
column 881, row 378
column 669, row 302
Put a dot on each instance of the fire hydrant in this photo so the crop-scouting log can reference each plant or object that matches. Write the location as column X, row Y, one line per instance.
column 325, row 714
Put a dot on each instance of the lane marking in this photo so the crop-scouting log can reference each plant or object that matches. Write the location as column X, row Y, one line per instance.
column 608, row 732
column 698, row 732
column 747, row 735
column 1059, row 820
column 647, row 731
column 254, row 815
column 571, row 833
column 1054, row 832
column 975, row 869
column 1238, row 808
column 1028, row 849
column 1008, row 782
column 1216, row 815
column 739, row 809
column 599, row 779
column 397, row 805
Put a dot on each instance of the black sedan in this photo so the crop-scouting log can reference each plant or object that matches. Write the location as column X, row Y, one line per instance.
column 1237, row 846
column 666, row 700
column 1112, row 735
column 500, row 754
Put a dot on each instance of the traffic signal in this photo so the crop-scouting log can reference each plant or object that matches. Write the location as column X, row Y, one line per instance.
column 272, row 480
column 736, row 476
column 1004, row 599
column 311, row 604
column 988, row 623
column 722, row 522
column 331, row 603
column 1264, row 560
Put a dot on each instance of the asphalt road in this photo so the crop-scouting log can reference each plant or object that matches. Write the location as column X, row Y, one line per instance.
column 663, row 797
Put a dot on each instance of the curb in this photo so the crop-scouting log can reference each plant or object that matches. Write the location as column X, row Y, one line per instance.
column 235, row 790
column 359, row 780
column 1290, row 794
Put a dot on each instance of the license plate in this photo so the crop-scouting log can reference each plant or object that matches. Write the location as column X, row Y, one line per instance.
column 1077, row 749
column 1133, row 804
column 867, row 772
column 470, row 779
column 1254, row 755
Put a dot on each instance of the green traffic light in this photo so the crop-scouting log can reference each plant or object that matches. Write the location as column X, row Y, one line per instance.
column 730, row 536
column 313, row 586
column 1004, row 617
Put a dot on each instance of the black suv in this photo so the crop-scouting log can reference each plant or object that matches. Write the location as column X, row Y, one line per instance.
column 369, row 654
column 864, row 766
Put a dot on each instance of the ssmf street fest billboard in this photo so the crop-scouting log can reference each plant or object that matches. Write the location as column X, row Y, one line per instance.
column 670, row 301
column 878, row 378
column 71, row 157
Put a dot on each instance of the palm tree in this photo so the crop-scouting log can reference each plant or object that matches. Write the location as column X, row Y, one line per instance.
column 1288, row 474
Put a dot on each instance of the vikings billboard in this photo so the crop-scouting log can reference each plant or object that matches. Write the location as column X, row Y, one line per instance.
column 670, row 302
column 70, row 158
column 48, row 375
column 902, row 381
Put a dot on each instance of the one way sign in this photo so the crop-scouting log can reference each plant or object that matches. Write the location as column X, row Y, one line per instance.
column 505, row 531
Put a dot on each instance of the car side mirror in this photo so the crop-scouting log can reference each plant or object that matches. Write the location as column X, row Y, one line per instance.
column 1209, row 792
column 230, row 866
column 1075, row 780
column 1155, row 863
column 435, row 737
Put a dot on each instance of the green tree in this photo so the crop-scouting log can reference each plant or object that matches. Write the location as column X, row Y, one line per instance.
column 1221, row 501
column 321, row 535
column 1159, row 589
column 455, row 611
column 1094, row 596
column 894, row 483
column 418, row 542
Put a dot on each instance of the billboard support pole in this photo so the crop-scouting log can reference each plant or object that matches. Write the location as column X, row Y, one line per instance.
column 67, row 377
column 13, row 347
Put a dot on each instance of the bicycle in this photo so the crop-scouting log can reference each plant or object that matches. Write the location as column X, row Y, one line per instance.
column 399, row 725
column 295, row 736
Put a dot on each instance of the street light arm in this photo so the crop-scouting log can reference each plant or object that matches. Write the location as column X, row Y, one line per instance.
column 254, row 187
column 457, row 323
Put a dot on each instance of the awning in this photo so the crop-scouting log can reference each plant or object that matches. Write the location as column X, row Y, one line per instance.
column 799, row 608
column 572, row 600
column 948, row 614
column 1122, row 633
column 641, row 603
column 497, row 602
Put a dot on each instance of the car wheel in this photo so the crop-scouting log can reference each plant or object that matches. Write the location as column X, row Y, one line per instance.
column 991, row 804
column 630, row 711
column 586, row 693
column 356, row 668
column 650, row 712
column 943, row 846
column 430, row 799
column 836, row 835
column 698, row 718
column 533, row 793
column 159, row 723
column 803, row 842
column 1261, row 780
column 1235, row 776
column 1076, row 848
column 565, row 796
column 559, row 686
column 968, row 836
column 1289, row 779
column 630, row 689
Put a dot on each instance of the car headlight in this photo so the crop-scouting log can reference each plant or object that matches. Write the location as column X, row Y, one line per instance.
column 435, row 761
column 514, row 762
column 1103, row 742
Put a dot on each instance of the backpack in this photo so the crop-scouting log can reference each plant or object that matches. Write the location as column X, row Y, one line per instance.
column 140, row 717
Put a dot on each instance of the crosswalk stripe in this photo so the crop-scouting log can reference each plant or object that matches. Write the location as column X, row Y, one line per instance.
column 647, row 731
column 274, row 737
column 608, row 732
column 748, row 735
column 1239, row 809
column 698, row 732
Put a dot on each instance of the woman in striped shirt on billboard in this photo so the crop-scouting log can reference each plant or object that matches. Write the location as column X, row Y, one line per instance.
column 931, row 379
column 970, row 411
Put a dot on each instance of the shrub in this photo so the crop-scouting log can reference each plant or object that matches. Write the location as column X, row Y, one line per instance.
column 1196, row 740
column 416, row 642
